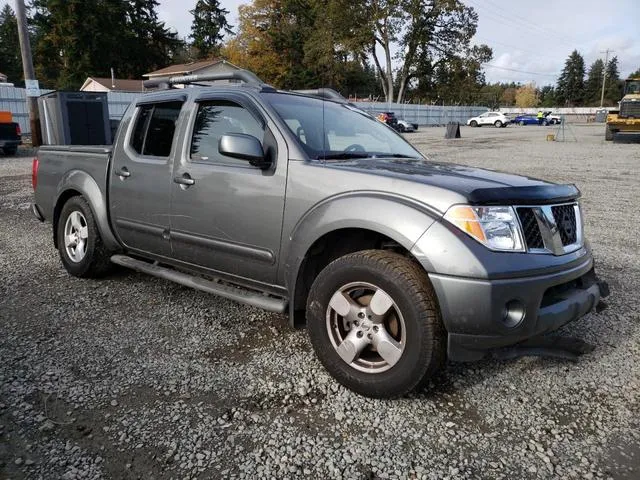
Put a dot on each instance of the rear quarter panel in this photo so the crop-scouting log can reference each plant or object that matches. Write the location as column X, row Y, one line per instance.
column 65, row 169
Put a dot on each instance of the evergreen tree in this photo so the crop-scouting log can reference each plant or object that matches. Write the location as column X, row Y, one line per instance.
column 635, row 74
column 75, row 39
column 10, row 60
column 547, row 96
column 593, row 84
column 570, row 91
column 208, row 27
column 614, row 86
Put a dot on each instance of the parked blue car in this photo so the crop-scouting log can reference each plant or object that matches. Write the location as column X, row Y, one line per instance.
column 528, row 120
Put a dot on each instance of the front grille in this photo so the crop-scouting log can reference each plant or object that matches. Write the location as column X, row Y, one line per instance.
column 565, row 217
column 629, row 109
column 530, row 228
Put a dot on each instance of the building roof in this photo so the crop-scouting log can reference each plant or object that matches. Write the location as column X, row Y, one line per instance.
column 120, row 84
column 2, row 75
column 186, row 68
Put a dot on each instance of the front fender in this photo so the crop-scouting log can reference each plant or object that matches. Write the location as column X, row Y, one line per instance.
column 83, row 183
column 400, row 218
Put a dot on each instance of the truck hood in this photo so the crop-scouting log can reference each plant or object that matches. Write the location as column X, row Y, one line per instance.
column 477, row 185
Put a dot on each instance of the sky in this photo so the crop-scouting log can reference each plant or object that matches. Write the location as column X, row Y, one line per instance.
column 530, row 39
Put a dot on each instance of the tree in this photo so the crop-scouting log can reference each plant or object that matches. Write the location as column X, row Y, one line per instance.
column 10, row 60
column 209, row 27
column 303, row 44
column 78, row 38
column 424, row 33
column 270, row 41
column 613, row 85
column 527, row 96
column 547, row 96
column 508, row 98
column 570, row 91
column 593, row 85
column 635, row 74
column 459, row 79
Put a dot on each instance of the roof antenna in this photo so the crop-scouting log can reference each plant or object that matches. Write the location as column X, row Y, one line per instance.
column 113, row 79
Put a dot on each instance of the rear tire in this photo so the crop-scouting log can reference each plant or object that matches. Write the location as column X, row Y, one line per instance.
column 375, row 281
column 498, row 124
column 81, row 249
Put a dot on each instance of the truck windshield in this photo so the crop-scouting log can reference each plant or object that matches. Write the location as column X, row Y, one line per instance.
column 329, row 130
column 632, row 87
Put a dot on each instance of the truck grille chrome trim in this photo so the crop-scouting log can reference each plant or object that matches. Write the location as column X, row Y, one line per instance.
column 551, row 229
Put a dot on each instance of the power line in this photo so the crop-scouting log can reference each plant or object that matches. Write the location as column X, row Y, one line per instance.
column 498, row 17
column 520, row 71
column 527, row 22
column 512, row 47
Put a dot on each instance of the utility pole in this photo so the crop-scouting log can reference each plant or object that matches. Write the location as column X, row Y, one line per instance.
column 27, row 67
column 604, row 73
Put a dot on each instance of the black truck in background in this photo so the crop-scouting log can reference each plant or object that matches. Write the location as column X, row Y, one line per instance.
column 10, row 137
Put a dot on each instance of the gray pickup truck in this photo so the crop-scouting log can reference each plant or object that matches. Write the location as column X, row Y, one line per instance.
column 299, row 202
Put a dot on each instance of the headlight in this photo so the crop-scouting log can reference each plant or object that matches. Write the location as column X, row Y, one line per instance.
column 496, row 227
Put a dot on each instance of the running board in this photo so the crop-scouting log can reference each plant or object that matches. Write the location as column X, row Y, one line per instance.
column 238, row 294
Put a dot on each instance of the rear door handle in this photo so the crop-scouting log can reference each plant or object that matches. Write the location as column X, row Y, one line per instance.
column 185, row 180
column 123, row 172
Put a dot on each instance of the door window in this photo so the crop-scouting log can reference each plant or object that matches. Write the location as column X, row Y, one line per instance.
column 155, row 128
column 215, row 119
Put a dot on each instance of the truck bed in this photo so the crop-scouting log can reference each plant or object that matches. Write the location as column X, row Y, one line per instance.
column 58, row 163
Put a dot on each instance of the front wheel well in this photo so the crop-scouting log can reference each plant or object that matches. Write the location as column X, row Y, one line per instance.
column 330, row 247
column 62, row 199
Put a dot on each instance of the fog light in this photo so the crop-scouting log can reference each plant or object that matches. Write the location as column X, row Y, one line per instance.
column 513, row 313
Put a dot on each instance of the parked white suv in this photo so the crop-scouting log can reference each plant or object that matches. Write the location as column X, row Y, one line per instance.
column 497, row 119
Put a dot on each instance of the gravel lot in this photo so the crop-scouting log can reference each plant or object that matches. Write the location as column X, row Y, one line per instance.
column 134, row 377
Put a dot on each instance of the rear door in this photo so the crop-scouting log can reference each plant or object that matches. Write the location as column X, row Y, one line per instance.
column 140, row 188
column 228, row 218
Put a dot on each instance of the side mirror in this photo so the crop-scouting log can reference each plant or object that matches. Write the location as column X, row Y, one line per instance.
column 243, row 147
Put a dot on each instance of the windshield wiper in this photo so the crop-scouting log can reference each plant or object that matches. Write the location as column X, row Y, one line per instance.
column 342, row 156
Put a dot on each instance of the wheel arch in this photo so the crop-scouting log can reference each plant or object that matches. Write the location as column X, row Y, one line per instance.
column 79, row 183
column 327, row 233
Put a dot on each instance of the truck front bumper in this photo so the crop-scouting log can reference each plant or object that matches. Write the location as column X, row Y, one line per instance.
column 483, row 314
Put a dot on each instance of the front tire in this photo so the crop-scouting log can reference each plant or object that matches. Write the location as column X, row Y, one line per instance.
column 374, row 323
column 80, row 245
column 609, row 133
column 473, row 123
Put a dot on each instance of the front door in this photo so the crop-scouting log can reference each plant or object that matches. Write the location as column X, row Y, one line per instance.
column 226, row 215
column 140, row 193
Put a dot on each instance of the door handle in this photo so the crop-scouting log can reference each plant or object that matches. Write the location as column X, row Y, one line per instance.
column 184, row 180
column 123, row 172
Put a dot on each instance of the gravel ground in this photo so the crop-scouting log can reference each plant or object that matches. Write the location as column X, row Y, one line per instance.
column 134, row 377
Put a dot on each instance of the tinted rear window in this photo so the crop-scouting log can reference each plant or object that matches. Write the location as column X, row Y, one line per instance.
column 155, row 128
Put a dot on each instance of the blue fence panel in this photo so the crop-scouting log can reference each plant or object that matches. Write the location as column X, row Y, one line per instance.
column 14, row 100
column 425, row 115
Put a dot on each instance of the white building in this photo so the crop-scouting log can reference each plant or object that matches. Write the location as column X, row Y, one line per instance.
column 203, row 67
column 97, row 84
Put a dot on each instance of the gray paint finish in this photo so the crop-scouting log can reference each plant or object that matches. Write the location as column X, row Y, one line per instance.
column 254, row 226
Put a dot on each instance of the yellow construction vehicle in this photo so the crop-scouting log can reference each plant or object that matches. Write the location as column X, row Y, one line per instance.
column 627, row 117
